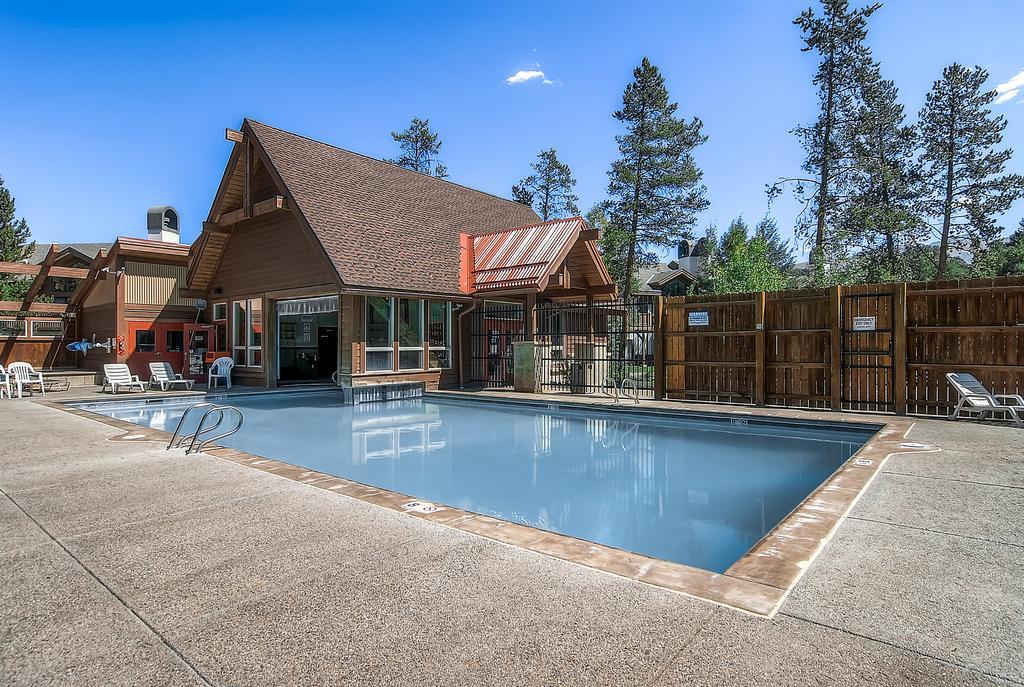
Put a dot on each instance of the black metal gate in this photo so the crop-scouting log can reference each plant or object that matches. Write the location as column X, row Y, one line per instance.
column 584, row 348
column 867, row 371
column 494, row 327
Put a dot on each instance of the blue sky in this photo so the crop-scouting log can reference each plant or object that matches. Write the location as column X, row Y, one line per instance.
column 113, row 107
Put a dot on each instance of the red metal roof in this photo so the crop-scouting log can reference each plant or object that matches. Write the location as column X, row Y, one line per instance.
column 522, row 257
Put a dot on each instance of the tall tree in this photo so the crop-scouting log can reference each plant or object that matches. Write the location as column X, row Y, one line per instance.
column 881, row 218
column 420, row 149
column 549, row 189
column 655, row 184
column 15, row 245
column 1001, row 258
column 963, row 169
column 837, row 37
column 779, row 252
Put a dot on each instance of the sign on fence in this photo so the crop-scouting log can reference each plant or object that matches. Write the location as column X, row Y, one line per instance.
column 864, row 324
column 698, row 318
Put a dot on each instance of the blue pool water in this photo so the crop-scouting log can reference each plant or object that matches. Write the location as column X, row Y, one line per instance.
column 692, row 490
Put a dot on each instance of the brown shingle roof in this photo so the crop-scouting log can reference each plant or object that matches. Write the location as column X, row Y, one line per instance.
column 383, row 227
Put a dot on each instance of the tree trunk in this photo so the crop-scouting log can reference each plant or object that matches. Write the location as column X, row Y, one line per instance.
column 947, row 210
column 823, row 181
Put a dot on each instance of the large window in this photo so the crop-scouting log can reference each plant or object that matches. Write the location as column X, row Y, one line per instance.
column 439, row 334
column 379, row 344
column 410, row 334
column 247, row 331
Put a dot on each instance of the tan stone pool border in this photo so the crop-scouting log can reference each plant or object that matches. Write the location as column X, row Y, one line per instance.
column 757, row 583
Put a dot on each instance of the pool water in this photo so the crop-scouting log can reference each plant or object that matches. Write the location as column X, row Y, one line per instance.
column 693, row 490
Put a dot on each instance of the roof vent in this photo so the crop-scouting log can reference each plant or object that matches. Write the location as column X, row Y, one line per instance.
column 162, row 224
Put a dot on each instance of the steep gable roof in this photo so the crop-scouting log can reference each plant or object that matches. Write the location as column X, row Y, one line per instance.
column 381, row 226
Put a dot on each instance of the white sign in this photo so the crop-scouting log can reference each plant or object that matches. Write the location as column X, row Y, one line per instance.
column 864, row 324
column 697, row 318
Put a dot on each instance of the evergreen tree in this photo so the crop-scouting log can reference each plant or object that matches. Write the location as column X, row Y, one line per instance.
column 15, row 245
column 962, row 169
column 779, row 252
column 549, row 188
column 837, row 36
column 613, row 245
column 881, row 218
column 655, row 184
column 420, row 149
column 739, row 263
column 1002, row 258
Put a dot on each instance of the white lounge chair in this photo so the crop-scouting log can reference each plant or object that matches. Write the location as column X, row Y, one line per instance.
column 24, row 376
column 220, row 369
column 163, row 375
column 117, row 375
column 5, row 383
column 975, row 398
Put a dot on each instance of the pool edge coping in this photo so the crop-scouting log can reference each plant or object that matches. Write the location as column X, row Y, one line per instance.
column 758, row 583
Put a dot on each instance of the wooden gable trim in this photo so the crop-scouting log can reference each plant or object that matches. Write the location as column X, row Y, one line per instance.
column 296, row 211
column 86, row 285
column 229, row 171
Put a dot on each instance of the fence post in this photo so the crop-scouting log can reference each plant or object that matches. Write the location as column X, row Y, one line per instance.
column 759, row 349
column 899, row 360
column 659, row 348
column 836, row 357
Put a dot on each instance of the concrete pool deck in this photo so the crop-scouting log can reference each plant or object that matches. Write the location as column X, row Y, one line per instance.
column 124, row 564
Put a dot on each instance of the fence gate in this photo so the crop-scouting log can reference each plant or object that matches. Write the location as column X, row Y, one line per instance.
column 867, row 364
column 583, row 348
column 493, row 329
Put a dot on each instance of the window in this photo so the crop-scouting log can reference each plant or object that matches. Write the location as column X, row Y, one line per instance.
column 175, row 341
column 48, row 329
column 220, row 320
column 410, row 334
column 145, row 341
column 247, row 333
column 12, row 328
column 379, row 345
column 439, row 334
column 220, row 312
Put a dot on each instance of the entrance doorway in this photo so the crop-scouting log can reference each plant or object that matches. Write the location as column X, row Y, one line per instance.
column 307, row 339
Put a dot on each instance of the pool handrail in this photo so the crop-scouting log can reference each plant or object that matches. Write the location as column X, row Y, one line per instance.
column 174, row 437
column 615, row 388
column 636, row 390
column 192, row 448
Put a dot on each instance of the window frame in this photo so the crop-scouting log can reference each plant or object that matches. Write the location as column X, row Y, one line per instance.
column 447, row 335
column 390, row 349
column 410, row 348
column 136, row 345
column 247, row 348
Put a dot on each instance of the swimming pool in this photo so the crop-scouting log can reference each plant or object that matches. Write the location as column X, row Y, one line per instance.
column 694, row 490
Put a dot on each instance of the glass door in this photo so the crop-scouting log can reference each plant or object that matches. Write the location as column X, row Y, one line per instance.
column 307, row 339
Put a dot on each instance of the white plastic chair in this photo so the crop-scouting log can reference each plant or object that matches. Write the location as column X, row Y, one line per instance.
column 117, row 375
column 220, row 369
column 23, row 375
column 5, row 383
column 975, row 398
column 163, row 375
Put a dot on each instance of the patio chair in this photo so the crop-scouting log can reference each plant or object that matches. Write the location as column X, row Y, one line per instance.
column 5, row 383
column 24, row 376
column 117, row 375
column 163, row 375
column 220, row 369
column 975, row 398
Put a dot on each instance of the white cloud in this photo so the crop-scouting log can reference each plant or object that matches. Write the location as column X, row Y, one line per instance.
column 1008, row 90
column 524, row 75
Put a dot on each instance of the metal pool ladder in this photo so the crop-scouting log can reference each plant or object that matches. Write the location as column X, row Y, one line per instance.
column 619, row 390
column 220, row 413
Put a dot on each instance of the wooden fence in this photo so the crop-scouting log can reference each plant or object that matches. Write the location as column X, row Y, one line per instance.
column 872, row 347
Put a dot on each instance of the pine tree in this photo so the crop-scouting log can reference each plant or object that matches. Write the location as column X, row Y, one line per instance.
column 837, row 36
column 1002, row 258
column 655, row 184
column 881, row 217
column 15, row 245
column 613, row 245
column 549, row 189
column 779, row 252
column 420, row 149
column 962, row 170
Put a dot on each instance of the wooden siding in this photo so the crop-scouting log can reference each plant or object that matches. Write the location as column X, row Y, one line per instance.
column 148, row 283
column 270, row 255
